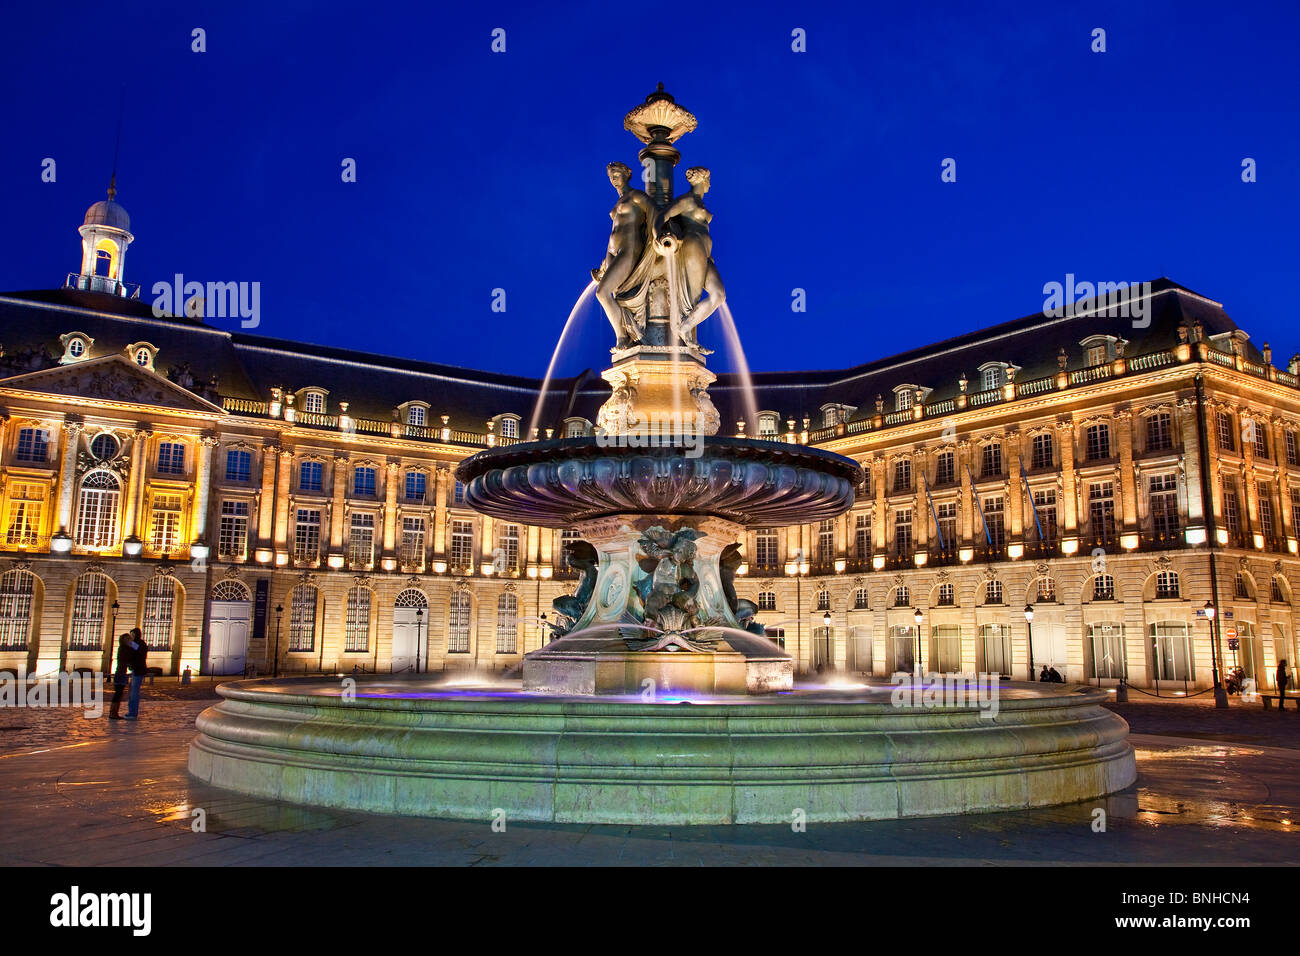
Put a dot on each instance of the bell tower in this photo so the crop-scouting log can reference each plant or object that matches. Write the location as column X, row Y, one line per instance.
column 105, row 235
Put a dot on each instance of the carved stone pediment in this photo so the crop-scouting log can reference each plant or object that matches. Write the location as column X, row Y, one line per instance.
column 111, row 378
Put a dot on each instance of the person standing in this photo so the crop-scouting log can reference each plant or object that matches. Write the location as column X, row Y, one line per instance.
column 139, row 667
column 1281, row 684
column 121, row 674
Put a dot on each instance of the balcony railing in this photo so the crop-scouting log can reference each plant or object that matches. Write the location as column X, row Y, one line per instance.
column 126, row 290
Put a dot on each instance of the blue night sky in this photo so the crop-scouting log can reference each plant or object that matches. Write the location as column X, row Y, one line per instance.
column 479, row 170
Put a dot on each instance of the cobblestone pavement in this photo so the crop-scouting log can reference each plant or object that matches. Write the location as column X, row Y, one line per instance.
column 95, row 792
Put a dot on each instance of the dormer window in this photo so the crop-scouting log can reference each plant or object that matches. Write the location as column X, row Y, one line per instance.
column 76, row 347
column 415, row 415
column 991, row 377
column 575, row 427
column 768, row 423
column 142, row 354
column 905, row 396
column 509, row 426
column 1098, row 350
column 313, row 400
column 836, row 414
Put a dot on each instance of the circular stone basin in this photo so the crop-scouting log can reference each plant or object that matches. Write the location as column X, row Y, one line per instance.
column 749, row 481
column 417, row 747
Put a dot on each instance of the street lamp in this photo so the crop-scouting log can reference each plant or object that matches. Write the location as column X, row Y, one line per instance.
column 1029, row 626
column 826, row 637
column 275, row 668
column 541, row 639
column 798, row 568
column 916, row 664
column 419, row 621
column 112, row 634
column 1220, row 695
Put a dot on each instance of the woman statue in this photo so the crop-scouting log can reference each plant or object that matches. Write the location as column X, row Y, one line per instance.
column 683, row 230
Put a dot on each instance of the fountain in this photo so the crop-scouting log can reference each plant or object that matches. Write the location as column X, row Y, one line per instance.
column 596, row 733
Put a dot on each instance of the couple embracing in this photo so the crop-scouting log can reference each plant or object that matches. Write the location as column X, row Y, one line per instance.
column 132, row 663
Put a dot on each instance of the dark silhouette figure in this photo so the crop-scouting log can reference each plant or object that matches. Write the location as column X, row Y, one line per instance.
column 1044, row 677
column 1282, row 679
column 120, row 676
column 139, row 662
column 1055, row 676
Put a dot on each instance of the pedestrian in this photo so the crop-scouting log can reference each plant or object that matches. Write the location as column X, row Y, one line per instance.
column 1055, row 675
column 120, row 674
column 139, row 667
column 1281, row 684
column 1043, row 678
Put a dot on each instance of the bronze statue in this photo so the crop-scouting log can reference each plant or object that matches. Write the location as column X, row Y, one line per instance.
column 632, row 216
column 682, row 231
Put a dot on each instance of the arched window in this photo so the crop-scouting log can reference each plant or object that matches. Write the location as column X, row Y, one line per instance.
column 1167, row 584
column 823, row 600
column 17, row 591
column 1281, row 590
column 97, row 510
column 159, row 612
column 766, row 600
column 458, row 624
column 993, row 592
column 302, row 618
column 89, row 600
column 103, row 262
column 860, row 599
column 229, row 591
column 947, row 595
column 103, row 447
column 902, row 596
column 415, row 415
column 509, row 427
column 1046, row 589
column 411, row 597
column 356, row 634
column 507, row 623
column 1103, row 588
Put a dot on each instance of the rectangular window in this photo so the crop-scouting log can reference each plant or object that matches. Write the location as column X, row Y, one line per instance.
column 239, row 465
column 765, row 549
column 1291, row 456
column 458, row 494
column 356, row 628
column 766, row 426
column 1266, row 510
column 1095, row 355
column 1045, row 509
column 826, row 542
column 1041, row 455
column 17, row 591
column 568, row 536
column 311, row 476
column 903, row 400
column 306, row 536
column 1159, row 432
column 232, row 531
column 903, row 532
column 462, row 545
column 947, row 513
column 1162, row 498
column 171, row 458
column 363, row 482
column 1231, row 513
column 1101, row 509
column 159, row 612
column 507, row 556
column 412, row 553
column 991, row 378
column 1224, row 432
column 89, row 601
column 1098, row 442
column 26, row 502
column 991, row 463
column 1295, row 507
column 415, row 486
column 165, row 533
column 903, row 474
column 458, row 624
column 361, row 540
column 1261, row 439
column 862, row 543
column 944, row 470
column 33, row 445
column 302, row 618
column 993, row 518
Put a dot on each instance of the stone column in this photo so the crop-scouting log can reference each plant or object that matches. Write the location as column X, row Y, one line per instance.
column 267, row 499
column 1191, row 453
column 203, row 486
column 338, row 500
column 1069, row 491
column 1283, row 478
column 967, row 493
column 1016, row 516
column 139, row 439
column 488, row 542
column 1129, row 490
column 880, row 519
column 441, row 482
column 282, row 502
column 73, row 425
column 921, row 519
column 390, row 507
column 1250, row 487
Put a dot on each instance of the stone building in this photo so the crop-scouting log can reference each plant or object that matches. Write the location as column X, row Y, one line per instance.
column 257, row 503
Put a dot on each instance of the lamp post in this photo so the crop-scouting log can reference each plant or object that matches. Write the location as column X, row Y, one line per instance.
column 798, row 568
column 1029, row 626
column 419, row 622
column 541, row 638
column 1220, row 695
column 279, row 613
column 916, row 664
column 112, row 635
column 826, row 635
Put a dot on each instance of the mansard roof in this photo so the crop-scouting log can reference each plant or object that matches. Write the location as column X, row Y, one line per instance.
column 248, row 366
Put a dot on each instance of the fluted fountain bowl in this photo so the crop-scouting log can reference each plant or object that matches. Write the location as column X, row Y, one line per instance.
column 743, row 480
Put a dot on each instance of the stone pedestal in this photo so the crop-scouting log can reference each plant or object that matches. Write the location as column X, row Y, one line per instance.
column 659, row 393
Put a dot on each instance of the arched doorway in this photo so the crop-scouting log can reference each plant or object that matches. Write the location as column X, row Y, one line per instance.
column 410, row 618
column 229, row 616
